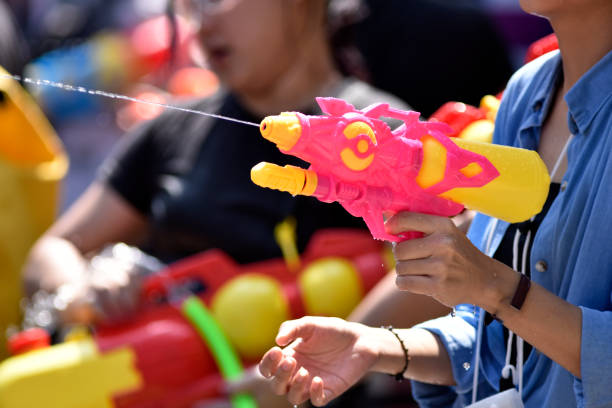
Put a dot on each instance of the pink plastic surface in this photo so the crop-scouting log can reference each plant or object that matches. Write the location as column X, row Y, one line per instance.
column 388, row 185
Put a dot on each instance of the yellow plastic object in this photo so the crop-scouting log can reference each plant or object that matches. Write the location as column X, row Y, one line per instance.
column 284, row 130
column 69, row 375
column 284, row 234
column 482, row 130
column 330, row 287
column 520, row 190
column 388, row 257
column 348, row 156
column 291, row 179
column 478, row 131
column 32, row 163
column 490, row 104
column 112, row 56
column 434, row 162
column 250, row 309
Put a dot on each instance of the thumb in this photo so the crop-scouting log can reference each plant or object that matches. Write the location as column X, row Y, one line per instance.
column 292, row 330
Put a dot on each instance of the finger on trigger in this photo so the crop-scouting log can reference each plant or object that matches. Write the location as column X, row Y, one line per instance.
column 411, row 221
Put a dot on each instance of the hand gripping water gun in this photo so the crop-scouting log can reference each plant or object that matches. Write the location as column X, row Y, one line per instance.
column 199, row 321
column 357, row 160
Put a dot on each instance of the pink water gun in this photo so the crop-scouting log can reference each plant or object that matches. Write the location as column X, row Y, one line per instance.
column 373, row 171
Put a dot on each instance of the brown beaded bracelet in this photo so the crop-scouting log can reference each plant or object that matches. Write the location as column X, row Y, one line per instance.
column 400, row 376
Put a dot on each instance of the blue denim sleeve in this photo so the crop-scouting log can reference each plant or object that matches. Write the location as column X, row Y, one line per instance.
column 458, row 335
column 595, row 360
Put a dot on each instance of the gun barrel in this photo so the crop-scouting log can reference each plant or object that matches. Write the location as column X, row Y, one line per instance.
column 291, row 179
column 284, row 130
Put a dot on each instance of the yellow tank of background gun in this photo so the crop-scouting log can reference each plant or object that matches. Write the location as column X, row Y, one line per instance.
column 32, row 164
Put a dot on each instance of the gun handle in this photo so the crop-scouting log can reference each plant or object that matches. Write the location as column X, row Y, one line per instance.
column 376, row 225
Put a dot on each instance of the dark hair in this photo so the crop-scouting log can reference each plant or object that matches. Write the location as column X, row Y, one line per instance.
column 342, row 16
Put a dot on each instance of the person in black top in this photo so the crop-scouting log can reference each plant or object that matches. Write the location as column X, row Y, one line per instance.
column 180, row 184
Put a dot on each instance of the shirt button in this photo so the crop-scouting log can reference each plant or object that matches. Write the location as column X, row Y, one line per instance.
column 564, row 185
column 537, row 106
column 541, row 266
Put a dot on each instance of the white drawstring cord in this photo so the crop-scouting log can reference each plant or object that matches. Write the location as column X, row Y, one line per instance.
column 481, row 315
column 519, row 339
column 517, row 371
column 560, row 158
column 519, row 363
column 508, row 368
column 477, row 361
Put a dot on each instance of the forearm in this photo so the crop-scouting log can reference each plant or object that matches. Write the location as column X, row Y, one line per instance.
column 99, row 217
column 52, row 262
column 549, row 323
column 428, row 359
column 385, row 304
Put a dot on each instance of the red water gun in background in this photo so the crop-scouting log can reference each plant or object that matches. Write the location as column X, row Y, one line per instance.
column 542, row 46
column 159, row 359
column 477, row 123
column 469, row 122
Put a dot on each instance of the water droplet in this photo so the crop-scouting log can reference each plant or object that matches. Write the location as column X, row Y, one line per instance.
column 466, row 366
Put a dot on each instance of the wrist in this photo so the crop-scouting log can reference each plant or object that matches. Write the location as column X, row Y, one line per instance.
column 391, row 357
column 500, row 289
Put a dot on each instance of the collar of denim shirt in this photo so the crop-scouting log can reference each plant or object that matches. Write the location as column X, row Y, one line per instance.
column 540, row 104
column 594, row 87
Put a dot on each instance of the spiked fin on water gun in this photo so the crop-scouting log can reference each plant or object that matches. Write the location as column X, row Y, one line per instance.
column 357, row 160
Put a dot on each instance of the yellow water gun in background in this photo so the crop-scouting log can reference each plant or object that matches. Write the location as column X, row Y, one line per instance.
column 32, row 164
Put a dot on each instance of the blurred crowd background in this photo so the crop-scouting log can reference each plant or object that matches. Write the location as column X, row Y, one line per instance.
column 425, row 51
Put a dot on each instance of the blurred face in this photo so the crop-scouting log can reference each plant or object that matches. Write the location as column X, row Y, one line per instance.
column 248, row 43
column 550, row 8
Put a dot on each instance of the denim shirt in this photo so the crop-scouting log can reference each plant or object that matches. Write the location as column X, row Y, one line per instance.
column 573, row 247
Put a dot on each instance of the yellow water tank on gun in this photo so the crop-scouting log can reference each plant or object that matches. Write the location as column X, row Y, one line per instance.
column 32, row 164
column 517, row 194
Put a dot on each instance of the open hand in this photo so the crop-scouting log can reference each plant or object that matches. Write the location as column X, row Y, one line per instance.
column 322, row 358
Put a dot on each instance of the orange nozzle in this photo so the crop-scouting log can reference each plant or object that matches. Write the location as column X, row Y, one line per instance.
column 284, row 130
column 291, row 179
